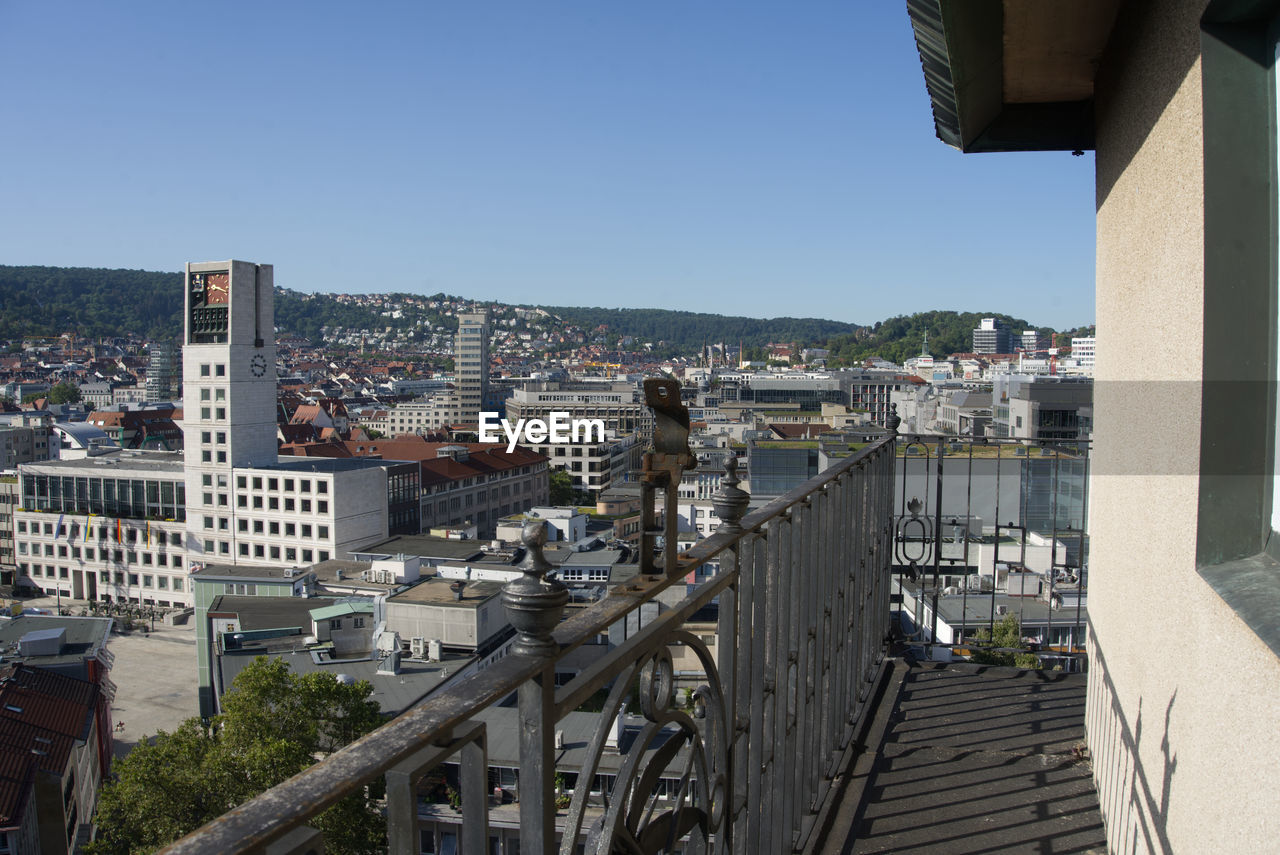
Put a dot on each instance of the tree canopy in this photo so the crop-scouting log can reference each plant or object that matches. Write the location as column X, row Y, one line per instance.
column 1007, row 635
column 64, row 393
column 561, row 487
column 274, row 724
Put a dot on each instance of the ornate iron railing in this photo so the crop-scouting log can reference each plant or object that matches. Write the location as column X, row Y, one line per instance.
column 802, row 597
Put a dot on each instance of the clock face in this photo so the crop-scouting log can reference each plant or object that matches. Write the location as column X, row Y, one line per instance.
column 258, row 365
column 217, row 288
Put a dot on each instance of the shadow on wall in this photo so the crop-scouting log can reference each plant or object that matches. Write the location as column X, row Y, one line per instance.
column 1136, row 816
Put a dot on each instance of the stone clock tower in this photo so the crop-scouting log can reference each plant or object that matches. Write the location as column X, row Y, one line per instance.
column 229, row 395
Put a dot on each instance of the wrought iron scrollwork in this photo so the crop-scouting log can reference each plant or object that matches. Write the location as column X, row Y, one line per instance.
column 639, row 817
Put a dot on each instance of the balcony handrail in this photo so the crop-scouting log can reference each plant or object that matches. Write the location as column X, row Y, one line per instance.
column 402, row 742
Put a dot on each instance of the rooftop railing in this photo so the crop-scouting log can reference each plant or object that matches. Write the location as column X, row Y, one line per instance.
column 802, row 603
column 987, row 528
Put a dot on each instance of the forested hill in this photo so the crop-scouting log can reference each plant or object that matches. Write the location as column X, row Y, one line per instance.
column 95, row 303
column 902, row 337
column 92, row 302
column 690, row 330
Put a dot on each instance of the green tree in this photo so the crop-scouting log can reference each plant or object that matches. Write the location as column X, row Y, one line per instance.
column 561, row 487
column 274, row 724
column 1007, row 635
column 64, row 393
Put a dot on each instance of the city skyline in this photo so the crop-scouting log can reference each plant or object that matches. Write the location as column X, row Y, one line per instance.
column 698, row 159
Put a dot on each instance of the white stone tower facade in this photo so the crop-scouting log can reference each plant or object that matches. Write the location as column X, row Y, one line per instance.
column 229, row 394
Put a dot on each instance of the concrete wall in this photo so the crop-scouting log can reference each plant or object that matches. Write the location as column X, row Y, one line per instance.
column 1183, row 693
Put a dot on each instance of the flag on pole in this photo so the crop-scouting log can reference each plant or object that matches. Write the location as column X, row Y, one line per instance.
column 119, row 532
column 148, row 532
column 58, row 531
column 88, row 522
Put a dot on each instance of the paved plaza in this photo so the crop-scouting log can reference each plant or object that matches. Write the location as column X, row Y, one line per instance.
column 154, row 673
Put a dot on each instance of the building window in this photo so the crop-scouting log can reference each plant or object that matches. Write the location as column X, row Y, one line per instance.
column 335, row 624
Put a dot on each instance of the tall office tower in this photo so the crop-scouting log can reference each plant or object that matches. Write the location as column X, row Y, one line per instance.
column 160, row 356
column 471, row 363
column 992, row 336
column 229, row 394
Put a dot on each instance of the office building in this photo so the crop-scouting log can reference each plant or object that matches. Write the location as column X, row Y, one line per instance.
column 160, row 372
column 992, row 336
column 244, row 503
column 471, row 363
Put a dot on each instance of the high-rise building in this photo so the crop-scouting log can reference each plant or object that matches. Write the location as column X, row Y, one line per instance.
column 1032, row 340
column 229, row 391
column 160, row 363
column 992, row 336
column 244, row 503
column 471, row 363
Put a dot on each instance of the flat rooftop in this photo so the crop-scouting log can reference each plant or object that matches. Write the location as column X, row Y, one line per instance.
column 259, row 613
column 394, row 693
column 113, row 463
column 424, row 546
column 435, row 591
column 290, row 463
column 84, row 636
column 244, row 572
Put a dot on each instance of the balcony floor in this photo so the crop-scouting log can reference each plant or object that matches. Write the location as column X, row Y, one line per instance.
column 973, row 759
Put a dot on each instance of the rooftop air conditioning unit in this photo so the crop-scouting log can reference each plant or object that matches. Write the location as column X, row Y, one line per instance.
column 418, row 647
column 288, row 572
column 1002, row 610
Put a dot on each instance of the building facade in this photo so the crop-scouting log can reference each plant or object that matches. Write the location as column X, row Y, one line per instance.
column 992, row 336
column 471, row 363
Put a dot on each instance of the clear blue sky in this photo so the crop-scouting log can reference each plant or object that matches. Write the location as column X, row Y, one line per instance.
column 759, row 158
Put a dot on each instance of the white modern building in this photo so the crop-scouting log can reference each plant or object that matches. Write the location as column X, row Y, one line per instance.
column 1084, row 350
column 110, row 527
column 245, row 504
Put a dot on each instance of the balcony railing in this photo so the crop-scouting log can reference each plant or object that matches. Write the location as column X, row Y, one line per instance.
column 988, row 528
column 802, row 597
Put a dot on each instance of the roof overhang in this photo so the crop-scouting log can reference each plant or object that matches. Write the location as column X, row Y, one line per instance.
column 1012, row 75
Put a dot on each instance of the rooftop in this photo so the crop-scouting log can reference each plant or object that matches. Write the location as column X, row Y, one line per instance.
column 84, row 637
column 215, row 572
column 437, row 592
column 394, row 693
column 114, row 462
column 424, row 546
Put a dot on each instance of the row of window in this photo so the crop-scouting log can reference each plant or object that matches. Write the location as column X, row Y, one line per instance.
column 272, row 527
column 119, row 556
column 273, row 484
column 108, row 577
column 272, row 503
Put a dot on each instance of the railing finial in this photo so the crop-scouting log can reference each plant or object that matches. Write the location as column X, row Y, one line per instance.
column 533, row 602
column 730, row 502
column 894, row 419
